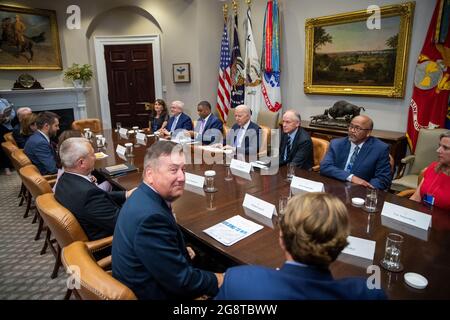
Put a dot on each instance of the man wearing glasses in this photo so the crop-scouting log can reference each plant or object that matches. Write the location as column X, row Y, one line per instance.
column 359, row 158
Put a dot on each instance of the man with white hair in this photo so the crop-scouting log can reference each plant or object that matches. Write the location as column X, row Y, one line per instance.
column 178, row 120
column 243, row 137
column 95, row 209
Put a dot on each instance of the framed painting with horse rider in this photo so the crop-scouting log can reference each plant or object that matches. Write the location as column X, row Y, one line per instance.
column 29, row 39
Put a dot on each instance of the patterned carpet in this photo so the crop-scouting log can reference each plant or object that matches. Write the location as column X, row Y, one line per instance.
column 24, row 273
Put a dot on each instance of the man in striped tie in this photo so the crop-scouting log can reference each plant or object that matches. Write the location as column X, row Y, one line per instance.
column 359, row 158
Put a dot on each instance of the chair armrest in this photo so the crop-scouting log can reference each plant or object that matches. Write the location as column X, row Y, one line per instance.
column 105, row 263
column 99, row 244
column 50, row 177
column 51, row 182
column 402, row 167
column 406, row 193
column 316, row 168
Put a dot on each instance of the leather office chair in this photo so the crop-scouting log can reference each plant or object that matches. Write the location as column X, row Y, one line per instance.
column 37, row 185
column 95, row 283
column 268, row 119
column 9, row 137
column 320, row 148
column 409, row 192
column 19, row 160
column 94, row 124
column 264, row 141
column 230, row 119
column 63, row 225
column 425, row 153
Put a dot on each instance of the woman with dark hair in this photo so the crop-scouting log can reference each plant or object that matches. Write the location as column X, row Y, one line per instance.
column 27, row 128
column 435, row 186
column 159, row 116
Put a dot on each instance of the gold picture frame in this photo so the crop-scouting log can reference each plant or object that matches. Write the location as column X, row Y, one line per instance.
column 29, row 39
column 344, row 57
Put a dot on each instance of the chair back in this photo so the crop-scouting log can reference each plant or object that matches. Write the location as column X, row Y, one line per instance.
column 425, row 153
column 62, row 223
column 94, row 124
column 95, row 283
column 34, row 181
column 230, row 119
column 19, row 159
column 264, row 141
column 9, row 137
column 268, row 119
column 9, row 147
column 320, row 148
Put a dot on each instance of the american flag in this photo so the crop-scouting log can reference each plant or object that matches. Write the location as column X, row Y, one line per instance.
column 224, row 87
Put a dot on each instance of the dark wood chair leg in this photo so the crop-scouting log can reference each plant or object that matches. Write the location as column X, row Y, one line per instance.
column 35, row 217
column 68, row 294
column 46, row 242
column 22, row 194
column 57, row 263
column 40, row 227
column 27, row 210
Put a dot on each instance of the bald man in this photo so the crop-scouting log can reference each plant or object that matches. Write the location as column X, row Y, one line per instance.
column 295, row 143
column 359, row 158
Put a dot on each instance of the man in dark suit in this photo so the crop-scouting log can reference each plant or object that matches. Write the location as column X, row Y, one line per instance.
column 295, row 143
column 310, row 242
column 244, row 136
column 359, row 158
column 178, row 121
column 39, row 148
column 149, row 254
column 208, row 128
column 95, row 209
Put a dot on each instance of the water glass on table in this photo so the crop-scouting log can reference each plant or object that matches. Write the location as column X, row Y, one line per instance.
column 392, row 254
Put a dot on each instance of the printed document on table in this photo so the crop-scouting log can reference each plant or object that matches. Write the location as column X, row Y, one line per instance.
column 232, row 230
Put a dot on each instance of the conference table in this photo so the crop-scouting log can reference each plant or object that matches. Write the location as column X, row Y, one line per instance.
column 423, row 252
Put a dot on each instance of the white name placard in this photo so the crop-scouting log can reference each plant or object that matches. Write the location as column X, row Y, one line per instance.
column 301, row 185
column 360, row 247
column 140, row 136
column 240, row 165
column 123, row 131
column 259, row 206
column 194, row 180
column 121, row 150
column 405, row 215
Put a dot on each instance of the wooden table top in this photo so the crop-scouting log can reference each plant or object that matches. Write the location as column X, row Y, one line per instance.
column 422, row 252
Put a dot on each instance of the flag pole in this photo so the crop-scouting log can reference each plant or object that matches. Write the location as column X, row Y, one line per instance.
column 225, row 12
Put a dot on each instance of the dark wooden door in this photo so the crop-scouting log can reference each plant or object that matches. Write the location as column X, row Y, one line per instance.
column 131, row 83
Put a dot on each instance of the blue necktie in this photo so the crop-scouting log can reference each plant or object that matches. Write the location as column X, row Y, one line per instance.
column 352, row 160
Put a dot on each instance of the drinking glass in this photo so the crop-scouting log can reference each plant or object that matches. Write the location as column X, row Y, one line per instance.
column 282, row 203
column 118, row 126
column 129, row 150
column 370, row 204
column 209, row 181
column 392, row 254
column 290, row 171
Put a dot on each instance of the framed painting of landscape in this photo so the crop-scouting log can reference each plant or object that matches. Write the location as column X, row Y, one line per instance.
column 346, row 54
column 29, row 39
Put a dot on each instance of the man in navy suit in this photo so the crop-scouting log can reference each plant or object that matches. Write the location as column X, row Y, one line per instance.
column 208, row 128
column 295, row 143
column 313, row 231
column 39, row 148
column 149, row 254
column 95, row 209
column 244, row 136
column 178, row 121
column 359, row 158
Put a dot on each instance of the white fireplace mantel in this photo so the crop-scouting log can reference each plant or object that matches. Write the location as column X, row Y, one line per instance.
column 50, row 99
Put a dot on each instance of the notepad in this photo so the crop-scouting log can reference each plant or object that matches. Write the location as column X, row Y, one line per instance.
column 233, row 230
column 119, row 169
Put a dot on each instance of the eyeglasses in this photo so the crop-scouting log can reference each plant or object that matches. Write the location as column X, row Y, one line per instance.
column 357, row 128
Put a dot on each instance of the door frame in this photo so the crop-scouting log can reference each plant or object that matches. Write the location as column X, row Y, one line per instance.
column 102, row 81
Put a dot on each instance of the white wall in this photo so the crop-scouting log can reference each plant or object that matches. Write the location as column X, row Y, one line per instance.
column 191, row 32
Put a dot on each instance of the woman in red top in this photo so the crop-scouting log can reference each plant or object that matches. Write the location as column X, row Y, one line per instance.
column 435, row 186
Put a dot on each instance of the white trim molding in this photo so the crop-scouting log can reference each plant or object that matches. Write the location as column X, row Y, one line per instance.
column 99, row 46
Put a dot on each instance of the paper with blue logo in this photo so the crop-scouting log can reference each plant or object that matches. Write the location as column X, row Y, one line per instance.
column 232, row 230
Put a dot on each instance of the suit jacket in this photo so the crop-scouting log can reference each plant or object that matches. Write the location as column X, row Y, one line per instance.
column 96, row 210
column 41, row 153
column 149, row 254
column 184, row 122
column 371, row 163
column 292, row 282
column 301, row 151
column 211, row 131
column 250, row 143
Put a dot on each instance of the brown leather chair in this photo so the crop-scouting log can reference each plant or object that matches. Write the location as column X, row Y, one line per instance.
column 37, row 185
column 268, row 119
column 95, row 283
column 264, row 141
column 94, row 124
column 320, row 148
column 63, row 225
column 9, row 137
column 9, row 147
